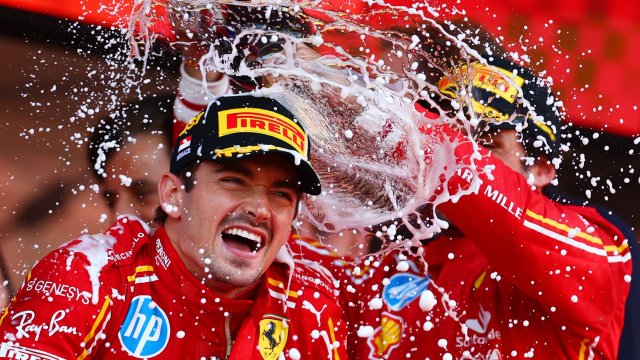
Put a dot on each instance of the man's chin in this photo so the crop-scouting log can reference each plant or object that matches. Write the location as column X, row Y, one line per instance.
column 240, row 274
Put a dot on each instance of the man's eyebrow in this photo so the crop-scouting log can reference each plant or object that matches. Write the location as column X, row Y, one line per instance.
column 286, row 184
column 233, row 167
column 242, row 170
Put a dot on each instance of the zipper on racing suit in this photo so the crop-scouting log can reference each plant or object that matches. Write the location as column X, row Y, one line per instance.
column 227, row 332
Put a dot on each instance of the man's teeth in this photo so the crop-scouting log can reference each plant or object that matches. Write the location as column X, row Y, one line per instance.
column 245, row 234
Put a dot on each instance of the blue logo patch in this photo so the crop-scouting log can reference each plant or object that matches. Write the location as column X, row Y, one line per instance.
column 403, row 289
column 145, row 331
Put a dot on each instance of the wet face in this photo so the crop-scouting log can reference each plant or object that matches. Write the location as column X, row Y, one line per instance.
column 504, row 145
column 232, row 224
column 131, row 186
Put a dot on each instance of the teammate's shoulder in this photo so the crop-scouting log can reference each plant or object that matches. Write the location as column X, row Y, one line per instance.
column 305, row 273
column 310, row 274
column 130, row 234
column 115, row 247
column 313, row 250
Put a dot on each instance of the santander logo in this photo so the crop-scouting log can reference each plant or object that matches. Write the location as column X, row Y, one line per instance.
column 482, row 336
column 480, row 324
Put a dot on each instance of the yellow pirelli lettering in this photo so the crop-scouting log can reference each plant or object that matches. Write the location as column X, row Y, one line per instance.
column 332, row 333
column 563, row 227
column 92, row 332
column 497, row 80
column 260, row 121
column 280, row 285
column 494, row 79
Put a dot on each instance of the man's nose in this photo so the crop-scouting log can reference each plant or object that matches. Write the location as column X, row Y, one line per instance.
column 258, row 205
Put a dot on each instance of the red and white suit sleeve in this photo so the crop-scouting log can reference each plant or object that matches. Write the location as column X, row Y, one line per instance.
column 61, row 310
column 569, row 258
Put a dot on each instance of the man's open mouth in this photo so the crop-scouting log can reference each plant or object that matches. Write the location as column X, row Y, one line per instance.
column 242, row 239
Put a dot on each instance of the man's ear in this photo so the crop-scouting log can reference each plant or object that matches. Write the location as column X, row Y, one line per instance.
column 543, row 172
column 170, row 194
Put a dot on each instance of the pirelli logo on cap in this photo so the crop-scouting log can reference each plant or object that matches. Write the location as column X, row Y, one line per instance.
column 264, row 122
column 490, row 78
column 485, row 77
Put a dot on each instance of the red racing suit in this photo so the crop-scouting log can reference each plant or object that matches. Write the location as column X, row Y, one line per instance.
column 126, row 294
column 525, row 277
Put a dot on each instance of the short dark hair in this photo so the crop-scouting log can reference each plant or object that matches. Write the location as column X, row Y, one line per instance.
column 188, row 178
column 151, row 115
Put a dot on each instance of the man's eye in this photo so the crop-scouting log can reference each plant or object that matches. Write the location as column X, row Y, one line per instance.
column 232, row 180
column 284, row 195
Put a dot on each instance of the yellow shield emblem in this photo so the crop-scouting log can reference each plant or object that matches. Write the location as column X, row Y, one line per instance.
column 273, row 336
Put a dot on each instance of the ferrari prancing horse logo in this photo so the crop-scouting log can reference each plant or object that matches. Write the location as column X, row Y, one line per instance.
column 273, row 336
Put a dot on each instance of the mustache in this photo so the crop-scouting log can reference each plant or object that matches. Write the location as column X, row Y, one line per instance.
column 242, row 218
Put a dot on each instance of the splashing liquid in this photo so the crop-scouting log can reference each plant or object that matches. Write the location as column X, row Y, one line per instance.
column 376, row 156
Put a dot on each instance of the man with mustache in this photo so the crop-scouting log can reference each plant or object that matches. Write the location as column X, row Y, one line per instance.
column 215, row 280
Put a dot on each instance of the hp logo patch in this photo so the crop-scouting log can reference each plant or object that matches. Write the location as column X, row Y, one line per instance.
column 145, row 331
column 403, row 289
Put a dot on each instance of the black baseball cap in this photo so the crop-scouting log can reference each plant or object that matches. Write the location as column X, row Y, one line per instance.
column 238, row 126
column 494, row 97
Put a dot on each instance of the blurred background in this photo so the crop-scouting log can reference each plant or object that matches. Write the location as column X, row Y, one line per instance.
column 62, row 61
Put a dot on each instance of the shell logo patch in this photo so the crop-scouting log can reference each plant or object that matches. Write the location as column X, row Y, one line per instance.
column 386, row 337
column 272, row 337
